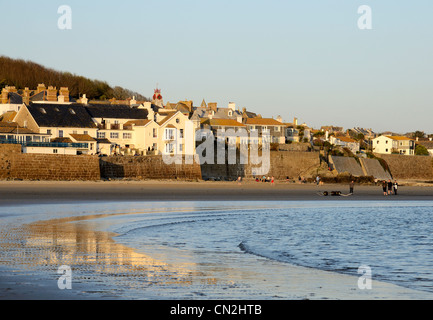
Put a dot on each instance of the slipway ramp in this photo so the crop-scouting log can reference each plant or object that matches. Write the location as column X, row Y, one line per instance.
column 374, row 168
column 347, row 164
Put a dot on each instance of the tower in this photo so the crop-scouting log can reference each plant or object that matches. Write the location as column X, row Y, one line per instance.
column 157, row 98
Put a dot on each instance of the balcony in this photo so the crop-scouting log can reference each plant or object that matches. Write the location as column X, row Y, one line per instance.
column 47, row 144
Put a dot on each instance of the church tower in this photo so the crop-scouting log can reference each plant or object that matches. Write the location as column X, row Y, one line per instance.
column 157, row 98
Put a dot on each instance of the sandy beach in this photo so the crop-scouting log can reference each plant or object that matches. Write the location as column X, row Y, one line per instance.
column 310, row 283
column 22, row 192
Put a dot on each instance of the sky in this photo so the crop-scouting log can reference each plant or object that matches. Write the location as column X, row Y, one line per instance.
column 305, row 59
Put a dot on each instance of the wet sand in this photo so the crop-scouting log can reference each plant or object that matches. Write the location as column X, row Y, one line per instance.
column 304, row 283
column 26, row 192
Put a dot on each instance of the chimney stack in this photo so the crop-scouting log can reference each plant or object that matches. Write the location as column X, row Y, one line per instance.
column 52, row 94
column 64, row 91
column 41, row 87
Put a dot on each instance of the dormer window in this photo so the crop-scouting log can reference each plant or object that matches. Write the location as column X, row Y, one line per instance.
column 56, row 109
column 72, row 111
column 43, row 110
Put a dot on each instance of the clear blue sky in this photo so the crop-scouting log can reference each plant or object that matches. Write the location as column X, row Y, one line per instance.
column 291, row 58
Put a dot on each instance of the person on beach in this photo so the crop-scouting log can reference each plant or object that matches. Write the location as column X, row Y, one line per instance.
column 395, row 187
column 352, row 184
column 318, row 180
column 239, row 180
column 272, row 181
column 389, row 187
column 384, row 185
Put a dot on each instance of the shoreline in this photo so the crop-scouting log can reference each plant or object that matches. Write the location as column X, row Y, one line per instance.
column 297, row 283
column 40, row 192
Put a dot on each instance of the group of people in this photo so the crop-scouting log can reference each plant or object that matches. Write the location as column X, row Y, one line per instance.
column 266, row 179
column 389, row 187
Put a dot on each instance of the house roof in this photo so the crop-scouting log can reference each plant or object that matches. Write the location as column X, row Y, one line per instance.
column 167, row 118
column 8, row 116
column 399, row 138
column 222, row 122
column 263, row 121
column 427, row 144
column 15, row 98
column 102, row 141
column 346, row 139
column 82, row 137
column 14, row 128
column 62, row 140
column 140, row 123
column 61, row 115
column 116, row 111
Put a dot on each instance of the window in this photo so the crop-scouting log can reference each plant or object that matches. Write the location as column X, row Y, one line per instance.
column 114, row 135
column 86, row 132
column 55, row 151
column 127, row 136
column 48, row 131
column 177, row 120
column 154, row 146
column 181, row 133
column 60, row 133
column 101, row 135
column 181, row 147
column 169, row 148
column 169, row 134
column 155, row 133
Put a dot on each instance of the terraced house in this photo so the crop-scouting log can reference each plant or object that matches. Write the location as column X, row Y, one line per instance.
column 272, row 127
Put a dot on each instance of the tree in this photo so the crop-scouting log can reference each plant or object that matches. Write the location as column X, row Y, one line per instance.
column 21, row 74
column 418, row 134
column 420, row 150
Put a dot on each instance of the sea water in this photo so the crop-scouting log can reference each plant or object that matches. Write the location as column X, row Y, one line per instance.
column 220, row 249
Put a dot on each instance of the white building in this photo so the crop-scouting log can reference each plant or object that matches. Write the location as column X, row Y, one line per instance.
column 394, row 144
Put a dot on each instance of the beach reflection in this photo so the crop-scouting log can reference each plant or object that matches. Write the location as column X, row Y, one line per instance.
column 73, row 242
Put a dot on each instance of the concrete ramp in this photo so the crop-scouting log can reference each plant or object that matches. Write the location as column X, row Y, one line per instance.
column 374, row 168
column 348, row 165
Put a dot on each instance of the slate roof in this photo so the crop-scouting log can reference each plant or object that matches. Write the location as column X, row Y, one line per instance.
column 15, row 98
column 427, row 144
column 115, row 111
column 61, row 115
